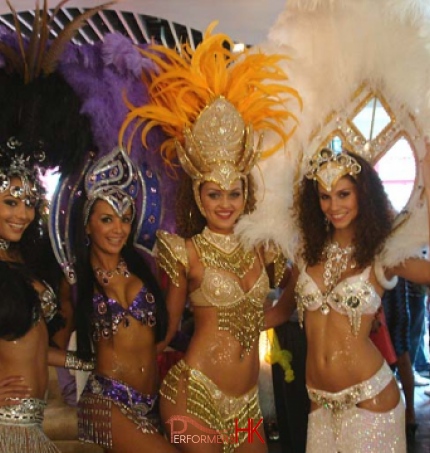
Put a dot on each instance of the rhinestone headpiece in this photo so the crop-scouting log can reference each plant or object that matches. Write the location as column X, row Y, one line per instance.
column 218, row 148
column 209, row 101
column 116, row 179
column 327, row 167
column 16, row 162
column 112, row 178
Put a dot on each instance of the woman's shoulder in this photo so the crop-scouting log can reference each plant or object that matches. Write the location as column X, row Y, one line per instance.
column 171, row 252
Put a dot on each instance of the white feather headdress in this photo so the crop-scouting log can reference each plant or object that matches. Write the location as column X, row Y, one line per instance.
column 344, row 52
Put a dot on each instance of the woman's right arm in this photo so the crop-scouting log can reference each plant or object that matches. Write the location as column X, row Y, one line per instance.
column 175, row 301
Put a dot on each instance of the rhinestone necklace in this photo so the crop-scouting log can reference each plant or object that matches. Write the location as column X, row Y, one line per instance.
column 105, row 276
column 4, row 244
column 336, row 264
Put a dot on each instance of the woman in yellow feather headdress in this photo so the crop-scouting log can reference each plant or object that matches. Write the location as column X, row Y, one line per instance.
column 209, row 102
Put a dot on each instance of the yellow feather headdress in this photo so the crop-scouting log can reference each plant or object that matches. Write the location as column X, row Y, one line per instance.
column 209, row 101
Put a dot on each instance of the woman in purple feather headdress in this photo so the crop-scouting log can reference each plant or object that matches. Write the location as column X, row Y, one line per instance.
column 103, row 216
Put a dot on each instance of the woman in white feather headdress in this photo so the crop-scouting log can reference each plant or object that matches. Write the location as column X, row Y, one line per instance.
column 344, row 218
column 346, row 245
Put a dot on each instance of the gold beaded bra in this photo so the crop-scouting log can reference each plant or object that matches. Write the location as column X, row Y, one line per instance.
column 224, row 261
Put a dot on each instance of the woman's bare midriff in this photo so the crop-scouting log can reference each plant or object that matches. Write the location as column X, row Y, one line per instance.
column 337, row 359
column 130, row 356
column 217, row 354
column 27, row 357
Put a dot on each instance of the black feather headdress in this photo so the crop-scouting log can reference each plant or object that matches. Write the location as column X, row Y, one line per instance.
column 37, row 106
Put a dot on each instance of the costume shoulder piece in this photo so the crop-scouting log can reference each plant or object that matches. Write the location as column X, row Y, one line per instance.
column 171, row 254
column 273, row 254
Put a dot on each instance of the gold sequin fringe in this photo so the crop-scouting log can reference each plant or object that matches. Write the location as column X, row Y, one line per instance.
column 244, row 320
column 168, row 262
column 239, row 262
column 169, row 386
column 208, row 403
column 279, row 267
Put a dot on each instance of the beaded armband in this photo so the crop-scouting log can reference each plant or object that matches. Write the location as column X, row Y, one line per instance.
column 171, row 254
column 74, row 363
column 273, row 254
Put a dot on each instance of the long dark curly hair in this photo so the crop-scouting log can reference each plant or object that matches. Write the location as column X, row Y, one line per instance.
column 83, row 291
column 189, row 220
column 373, row 224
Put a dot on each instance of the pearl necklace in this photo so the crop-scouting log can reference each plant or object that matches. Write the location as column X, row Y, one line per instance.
column 336, row 264
column 105, row 276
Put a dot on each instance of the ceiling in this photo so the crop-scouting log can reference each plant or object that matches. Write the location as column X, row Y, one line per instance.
column 246, row 21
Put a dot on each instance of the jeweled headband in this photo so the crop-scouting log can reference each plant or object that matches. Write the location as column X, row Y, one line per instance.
column 327, row 167
column 113, row 179
column 16, row 162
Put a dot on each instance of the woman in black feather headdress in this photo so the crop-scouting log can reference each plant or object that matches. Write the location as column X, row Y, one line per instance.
column 40, row 127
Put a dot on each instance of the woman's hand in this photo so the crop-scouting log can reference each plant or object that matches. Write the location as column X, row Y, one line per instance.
column 12, row 390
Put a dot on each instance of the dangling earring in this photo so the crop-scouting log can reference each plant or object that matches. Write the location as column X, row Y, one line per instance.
column 327, row 224
column 87, row 241
column 4, row 244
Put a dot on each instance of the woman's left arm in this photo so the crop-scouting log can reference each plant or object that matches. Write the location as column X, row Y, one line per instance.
column 68, row 360
column 286, row 304
column 61, row 338
column 414, row 269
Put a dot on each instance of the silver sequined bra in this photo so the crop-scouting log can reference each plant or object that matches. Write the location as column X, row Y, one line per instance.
column 353, row 297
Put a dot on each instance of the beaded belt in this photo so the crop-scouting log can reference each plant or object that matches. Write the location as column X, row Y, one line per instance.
column 349, row 397
column 28, row 412
column 120, row 392
column 340, row 402
column 95, row 409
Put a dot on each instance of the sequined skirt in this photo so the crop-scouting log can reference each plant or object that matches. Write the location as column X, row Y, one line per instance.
column 340, row 426
column 95, row 409
column 21, row 428
column 206, row 401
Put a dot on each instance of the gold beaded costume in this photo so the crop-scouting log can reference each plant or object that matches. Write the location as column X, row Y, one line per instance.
column 209, row 403
column 209, row 101
column 239, row 313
